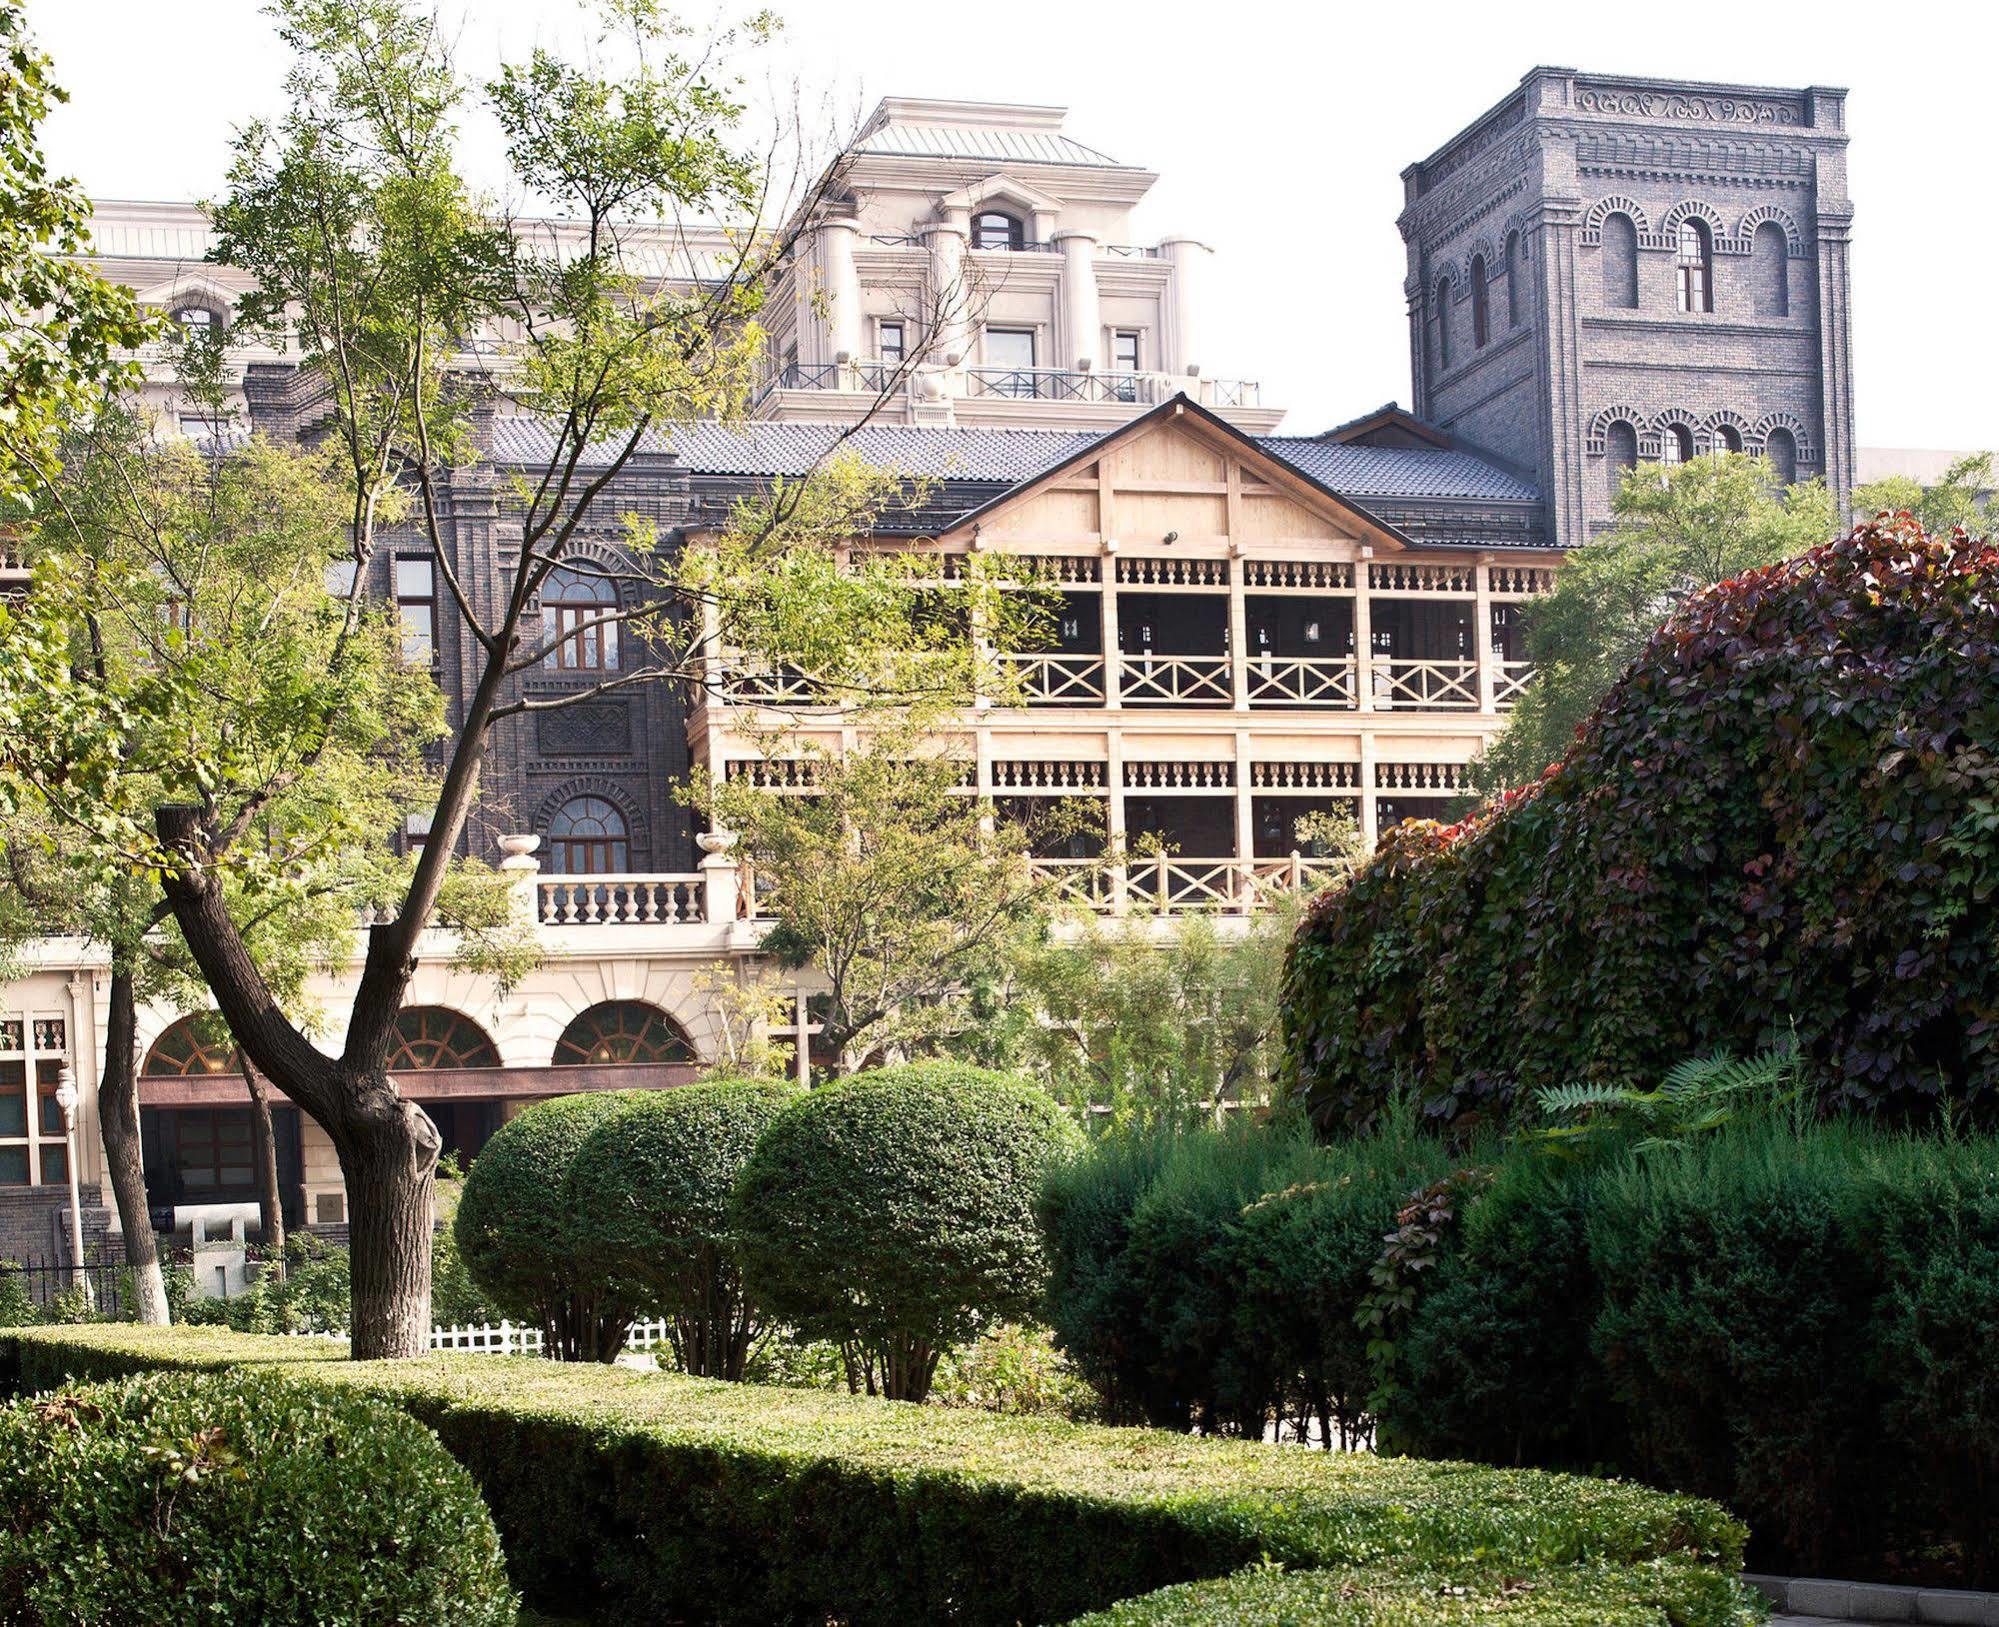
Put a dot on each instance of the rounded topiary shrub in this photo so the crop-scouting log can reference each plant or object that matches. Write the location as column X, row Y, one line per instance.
column 1780, row 821
column 649, row 1192
column 236, row 1498
column 895, row 1213
column 517, row 1235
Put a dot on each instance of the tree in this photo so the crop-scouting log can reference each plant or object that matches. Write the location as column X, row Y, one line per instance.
column 1677, row 529
column 412, row 304
column 179, row 612
column 894, row 1213
column 1956, row 500
column 907, row 896
column 62, row 326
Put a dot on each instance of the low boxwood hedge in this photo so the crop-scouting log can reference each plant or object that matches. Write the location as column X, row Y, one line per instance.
column 660, row 1497
column 1658, row 1593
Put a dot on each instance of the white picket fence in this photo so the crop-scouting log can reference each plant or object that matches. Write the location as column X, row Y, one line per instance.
column 512, row 1339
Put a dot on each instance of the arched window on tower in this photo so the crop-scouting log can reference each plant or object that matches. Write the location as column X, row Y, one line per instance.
column 588, row 837
column 996, row 229
column 1443, row 322
column 1481, row 325
column 1780, row 446
column 1676, row 445
column 1727, row 438
column 1620, row 262
column 1696, row 266
column 1620, row 445
column 1770, row 269
column 1515, row 271
column 573, row 608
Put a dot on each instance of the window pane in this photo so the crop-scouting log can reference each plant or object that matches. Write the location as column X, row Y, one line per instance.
column 1010, row 347
column 48, row 1080
column 340, row 578
column 55, row 1164
column 13, row 1166
column 414, row 579
column 891, row 342
column 419, row 640
column 13, row 1098
column 1126, row 352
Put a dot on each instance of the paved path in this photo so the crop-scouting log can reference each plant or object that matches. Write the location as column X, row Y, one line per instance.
column 1819, row 1621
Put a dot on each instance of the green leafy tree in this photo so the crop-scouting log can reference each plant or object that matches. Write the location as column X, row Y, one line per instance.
column 413, row 304
column 63, row 328
column 908, row 898
column 1959, row 499
column 1678, row 529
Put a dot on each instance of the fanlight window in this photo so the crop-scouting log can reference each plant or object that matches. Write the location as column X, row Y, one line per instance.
column 997, row 230
column 192, row 1046
column 588, row 837
column 622, row 1031
column 573, row 608
column 437, row 1037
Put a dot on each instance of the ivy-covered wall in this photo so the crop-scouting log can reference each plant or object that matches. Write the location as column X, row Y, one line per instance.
column 1783, row 820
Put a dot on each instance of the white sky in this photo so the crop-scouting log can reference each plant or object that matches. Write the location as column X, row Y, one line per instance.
column 1278, row 132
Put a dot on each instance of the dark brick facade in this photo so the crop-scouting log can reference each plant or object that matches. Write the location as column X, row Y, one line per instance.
column 1561, row 211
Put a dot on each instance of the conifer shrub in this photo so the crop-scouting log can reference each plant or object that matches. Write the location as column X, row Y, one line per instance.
column 894, row 1213
column 648, row 1192
column 1782, row 821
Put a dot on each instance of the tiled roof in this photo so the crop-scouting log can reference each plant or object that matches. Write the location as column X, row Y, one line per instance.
column 1399, row 471
column 905, row 132
column 1011, row 455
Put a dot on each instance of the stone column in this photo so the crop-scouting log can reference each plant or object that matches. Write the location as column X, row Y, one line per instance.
column 1082, row 325
column 523, row 871
column 951, row 297
column 1184, row 337
column 837, row 236
column 721, row 879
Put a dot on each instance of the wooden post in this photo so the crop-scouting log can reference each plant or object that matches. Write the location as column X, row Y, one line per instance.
column 1482, row 636
column 1363, row 635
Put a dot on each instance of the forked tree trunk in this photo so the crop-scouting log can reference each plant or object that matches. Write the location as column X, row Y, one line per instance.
column 264, row 1155
column 124, row 1159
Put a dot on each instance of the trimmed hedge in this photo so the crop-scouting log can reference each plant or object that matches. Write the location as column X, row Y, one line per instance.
column 648, row 1200
column 237, row 1497
column 658, row 1496
column 516, row 1231
column 894, row 1213
column 1780, row 820
column 1659, row 1594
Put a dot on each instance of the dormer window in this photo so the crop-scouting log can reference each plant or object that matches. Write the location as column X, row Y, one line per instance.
column 198, row 323
column 995, row 229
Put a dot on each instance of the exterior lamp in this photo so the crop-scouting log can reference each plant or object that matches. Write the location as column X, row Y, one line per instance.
column 67, row 1101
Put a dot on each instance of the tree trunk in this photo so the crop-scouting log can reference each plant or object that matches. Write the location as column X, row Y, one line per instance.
column 389, row 1163
column 264, row 1155
column 118, row 1123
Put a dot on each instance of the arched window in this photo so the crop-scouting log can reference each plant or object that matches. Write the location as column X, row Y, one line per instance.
column 1481, row 328
column 437, row 1037
column 995, row 229
column 1696, row 266
column 572, row 607
column 1620, row 445
column 1780, row 446
column 1515, row 270
column 1676, row 444
column 198, row 323
column 1620, row 262
column 194, row 1045
column 1770, row 269
column 622, row 1031
column 1727, row 438
column 588, row 837
column 1443, row 322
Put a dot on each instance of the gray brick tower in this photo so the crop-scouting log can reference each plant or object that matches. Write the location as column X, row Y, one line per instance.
column 1604, row 270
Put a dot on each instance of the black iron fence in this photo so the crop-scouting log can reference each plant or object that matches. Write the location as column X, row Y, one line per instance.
column 43, row 1288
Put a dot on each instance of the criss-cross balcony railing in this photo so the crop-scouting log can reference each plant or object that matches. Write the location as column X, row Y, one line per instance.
column 1057, row 384
column 1425, row 686
column 1176, row 680
column 611, row 900
column 1283, row 680
column 1057, row 680
column 1508, row 679
column 1176, row 885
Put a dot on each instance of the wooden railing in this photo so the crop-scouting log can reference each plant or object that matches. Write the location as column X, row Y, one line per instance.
column 1057, row 680
column 1508, row 679
column 1425, row 686
column 1200, row 679
column 1283, row 680
column 1176, row 885
column 635, row 900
